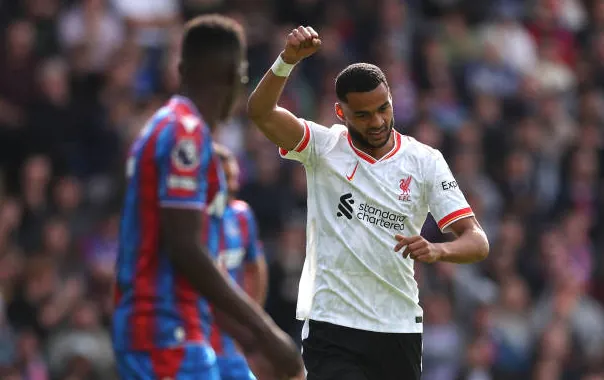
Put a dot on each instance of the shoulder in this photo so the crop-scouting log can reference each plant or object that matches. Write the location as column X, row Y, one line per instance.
column 426, row 158
column 176, row 127
column 182, row 138
column 420, row 149
column 243, row 212
column 240, row 207
column 314, row 127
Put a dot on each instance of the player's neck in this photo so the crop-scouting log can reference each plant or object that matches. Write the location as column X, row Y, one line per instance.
column 376, row 153
column 207, row 106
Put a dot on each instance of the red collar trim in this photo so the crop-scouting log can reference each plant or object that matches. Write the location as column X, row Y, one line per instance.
column 397, row 146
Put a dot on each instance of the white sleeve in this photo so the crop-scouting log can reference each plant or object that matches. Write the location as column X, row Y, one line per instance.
column 445, row 199
column 316, row 140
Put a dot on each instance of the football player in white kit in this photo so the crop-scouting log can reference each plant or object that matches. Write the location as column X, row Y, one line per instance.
column 369, row 192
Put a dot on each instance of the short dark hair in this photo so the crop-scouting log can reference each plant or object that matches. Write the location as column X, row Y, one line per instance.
column 359, row 77
column 209, row 34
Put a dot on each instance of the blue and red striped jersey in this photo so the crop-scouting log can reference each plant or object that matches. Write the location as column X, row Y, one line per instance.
column 233, row 240
column 171, row 164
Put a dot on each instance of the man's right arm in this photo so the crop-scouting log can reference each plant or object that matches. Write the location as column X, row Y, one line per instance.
column 278, row 124
column 181, row 237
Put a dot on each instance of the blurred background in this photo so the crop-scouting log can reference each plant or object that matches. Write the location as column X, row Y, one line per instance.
column 509, row 90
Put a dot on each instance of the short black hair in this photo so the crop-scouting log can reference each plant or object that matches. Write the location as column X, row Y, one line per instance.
column 211, row 33
column 359, row 77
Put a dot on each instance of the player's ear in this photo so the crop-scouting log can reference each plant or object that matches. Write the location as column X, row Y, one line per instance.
column 339, row 112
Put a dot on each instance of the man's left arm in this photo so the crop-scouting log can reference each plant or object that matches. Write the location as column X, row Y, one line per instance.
column 255, row 281
column 453, row 214
column 470, row 244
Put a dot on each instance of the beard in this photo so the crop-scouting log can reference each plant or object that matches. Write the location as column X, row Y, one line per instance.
column 363, row 142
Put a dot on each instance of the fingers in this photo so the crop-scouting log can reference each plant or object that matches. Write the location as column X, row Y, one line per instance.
column 416, row 247
column 304, row 32
column 405, row 241
column 293, row 40
column 419, row 254
column 303, row 35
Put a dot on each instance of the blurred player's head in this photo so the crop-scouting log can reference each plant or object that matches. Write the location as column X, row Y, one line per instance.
column 213, row 65
column 365, row 104
column 231, row 168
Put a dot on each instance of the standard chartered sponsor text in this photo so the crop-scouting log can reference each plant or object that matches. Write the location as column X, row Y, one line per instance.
column 378, row 217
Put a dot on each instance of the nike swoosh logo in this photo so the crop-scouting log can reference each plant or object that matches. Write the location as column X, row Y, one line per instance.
column 351, row 176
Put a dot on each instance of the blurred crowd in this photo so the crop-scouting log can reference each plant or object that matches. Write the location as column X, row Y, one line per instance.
column 509, row 90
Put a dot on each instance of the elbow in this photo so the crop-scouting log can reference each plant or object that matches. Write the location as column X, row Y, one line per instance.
column 257, row 112
column 485, row 248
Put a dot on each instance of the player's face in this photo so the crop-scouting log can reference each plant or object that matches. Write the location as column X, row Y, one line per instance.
column 369, row 116
column 231, row 172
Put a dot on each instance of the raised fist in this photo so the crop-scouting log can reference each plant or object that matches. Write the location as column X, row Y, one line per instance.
column 302, row 42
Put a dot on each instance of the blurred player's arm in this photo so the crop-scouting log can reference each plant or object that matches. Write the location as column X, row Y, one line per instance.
column 181, row 159
column 181, row 234
column 278, row 124
column 256, row 280
column 234, row 310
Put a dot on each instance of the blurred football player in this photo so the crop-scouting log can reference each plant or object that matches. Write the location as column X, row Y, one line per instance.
column 165, row 276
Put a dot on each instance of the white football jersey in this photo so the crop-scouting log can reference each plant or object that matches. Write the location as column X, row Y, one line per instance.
column 356, row 204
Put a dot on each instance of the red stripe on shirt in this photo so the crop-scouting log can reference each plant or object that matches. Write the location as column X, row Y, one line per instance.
column 213, row 179
column 147, row 263
column 244, row 229
column 166, row 362
column 185, row 295
column 216, row 337
column 117, row 295
column 302, row 144
column 464, row 212
column 188, row 308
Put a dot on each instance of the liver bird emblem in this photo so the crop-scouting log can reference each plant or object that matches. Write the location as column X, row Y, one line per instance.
column 404, row 185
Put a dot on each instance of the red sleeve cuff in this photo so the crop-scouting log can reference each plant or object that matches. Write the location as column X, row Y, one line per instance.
column 455, row 216
column 302, row 144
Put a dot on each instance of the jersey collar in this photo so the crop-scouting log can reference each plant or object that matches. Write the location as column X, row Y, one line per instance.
column 398, row 142
column 184, row 104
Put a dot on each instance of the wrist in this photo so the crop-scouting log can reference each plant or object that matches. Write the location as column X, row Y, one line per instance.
column 288, row 60
column 281, row 68
column 440, row 250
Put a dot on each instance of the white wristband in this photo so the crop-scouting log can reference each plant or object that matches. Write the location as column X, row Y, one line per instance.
column 282, row 69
